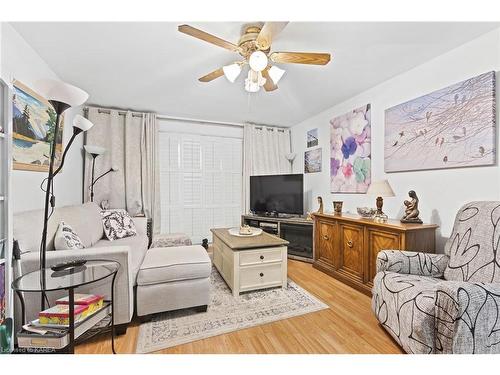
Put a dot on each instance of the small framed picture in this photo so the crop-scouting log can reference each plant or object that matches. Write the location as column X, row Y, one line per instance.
column 312, row 161
column 312, row 138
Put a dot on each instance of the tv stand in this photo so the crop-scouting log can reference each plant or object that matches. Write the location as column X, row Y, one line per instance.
column 295, row 229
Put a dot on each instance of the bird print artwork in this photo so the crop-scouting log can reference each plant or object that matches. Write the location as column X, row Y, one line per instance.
column 451, row 127
column 428, row 116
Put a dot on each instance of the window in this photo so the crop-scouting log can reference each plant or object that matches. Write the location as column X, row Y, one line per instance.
column 200, row 179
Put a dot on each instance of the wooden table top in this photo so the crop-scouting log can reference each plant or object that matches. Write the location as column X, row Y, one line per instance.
column 391, row 223
column 245, row 243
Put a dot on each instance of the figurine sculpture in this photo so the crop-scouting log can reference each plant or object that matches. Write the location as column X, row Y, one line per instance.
column 320, row 209
column 411, row 212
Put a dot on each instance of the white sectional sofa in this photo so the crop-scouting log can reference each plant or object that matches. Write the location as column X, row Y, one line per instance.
column 86, row 221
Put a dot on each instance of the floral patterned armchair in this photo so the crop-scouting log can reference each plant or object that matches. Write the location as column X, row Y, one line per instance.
column 445, row 303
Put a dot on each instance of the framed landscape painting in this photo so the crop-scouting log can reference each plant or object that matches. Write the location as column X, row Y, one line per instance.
column 312, row 161
column 448, row 128
column 350, row 146
column 33, row 130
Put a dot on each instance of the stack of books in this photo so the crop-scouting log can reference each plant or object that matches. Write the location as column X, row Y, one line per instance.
column 50, row 330
column 85, row 305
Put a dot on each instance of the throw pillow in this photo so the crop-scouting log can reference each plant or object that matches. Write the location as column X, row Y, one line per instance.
column 117, row 224
column 66, row 238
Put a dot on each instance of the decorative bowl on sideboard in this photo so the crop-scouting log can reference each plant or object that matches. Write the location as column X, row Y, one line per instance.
column 366, row 212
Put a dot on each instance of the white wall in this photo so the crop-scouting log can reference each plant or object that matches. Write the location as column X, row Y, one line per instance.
column 19, row 61
column 441, row 192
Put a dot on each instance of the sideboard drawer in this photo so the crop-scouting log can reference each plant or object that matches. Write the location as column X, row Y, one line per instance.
column 265, row 275
column 251, row 257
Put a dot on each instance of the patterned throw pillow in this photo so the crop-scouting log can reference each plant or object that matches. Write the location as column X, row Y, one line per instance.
column 117, row 224
column 66, row 238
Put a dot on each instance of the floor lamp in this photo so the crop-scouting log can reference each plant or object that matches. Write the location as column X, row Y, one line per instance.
column 61, row 96
column 93, row 151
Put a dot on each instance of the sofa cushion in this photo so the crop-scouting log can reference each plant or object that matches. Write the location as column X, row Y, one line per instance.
column 138, row 246
column 166, row 264
column 66, row 238
column 405, row 306
column 85, row 219
column 117, row 224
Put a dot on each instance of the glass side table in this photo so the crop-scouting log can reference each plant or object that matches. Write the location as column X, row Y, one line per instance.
column 47, row 280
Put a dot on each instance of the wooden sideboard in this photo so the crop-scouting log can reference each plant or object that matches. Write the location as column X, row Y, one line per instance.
column 346, row 246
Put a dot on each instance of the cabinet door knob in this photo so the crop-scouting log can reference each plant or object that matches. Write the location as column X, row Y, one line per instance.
column 350, row 243
column 262, row 257
column 261, row 274
column 325, row 237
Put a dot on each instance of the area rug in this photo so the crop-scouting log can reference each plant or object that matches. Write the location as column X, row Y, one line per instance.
column 225, row 314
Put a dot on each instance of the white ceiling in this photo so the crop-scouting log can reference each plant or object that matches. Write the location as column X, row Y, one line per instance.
column 153, row 67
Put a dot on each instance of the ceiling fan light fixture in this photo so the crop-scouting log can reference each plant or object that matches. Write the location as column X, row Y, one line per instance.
column 275, row 73
column 258, row 61
column 231, row 72
column 253, row 82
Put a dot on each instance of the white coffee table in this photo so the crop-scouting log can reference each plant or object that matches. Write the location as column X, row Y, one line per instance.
column 250, row 263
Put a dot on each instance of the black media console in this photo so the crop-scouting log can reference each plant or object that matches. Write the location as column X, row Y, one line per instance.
column 296, row 230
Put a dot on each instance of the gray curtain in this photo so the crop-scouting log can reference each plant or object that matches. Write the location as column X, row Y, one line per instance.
column 131, row 143
column 264, row 152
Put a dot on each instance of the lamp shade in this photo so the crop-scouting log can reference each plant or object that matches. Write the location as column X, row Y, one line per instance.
column 232, row 71
column 61, row 92
column 94, row 150
column 82, row 123
column 380, row 188
column 258, row 61
column 275, row 73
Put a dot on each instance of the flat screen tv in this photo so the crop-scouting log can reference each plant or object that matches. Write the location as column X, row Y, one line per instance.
column 277, row 194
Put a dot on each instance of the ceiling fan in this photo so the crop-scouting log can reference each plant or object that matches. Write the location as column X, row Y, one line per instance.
column 255, row 48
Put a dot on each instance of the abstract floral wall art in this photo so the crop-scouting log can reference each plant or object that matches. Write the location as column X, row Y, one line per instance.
column 350, row 144
column 448, row 128
column 312, row 161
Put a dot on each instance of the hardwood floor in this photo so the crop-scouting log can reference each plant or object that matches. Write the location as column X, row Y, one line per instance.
column 348, row 326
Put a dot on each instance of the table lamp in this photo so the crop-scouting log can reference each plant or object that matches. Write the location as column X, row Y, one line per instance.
column 380, row 189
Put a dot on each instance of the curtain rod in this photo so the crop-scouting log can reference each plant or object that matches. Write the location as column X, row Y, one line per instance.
column 184, row 119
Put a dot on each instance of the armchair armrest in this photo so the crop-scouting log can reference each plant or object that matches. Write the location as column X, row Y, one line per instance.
column 467, row 317
column 412, row 263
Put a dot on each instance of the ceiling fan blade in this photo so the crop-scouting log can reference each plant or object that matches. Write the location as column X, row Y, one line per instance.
column 300, row 58
column 269, row 85
column 268, row 33
column 212, row 75
column 189, row 30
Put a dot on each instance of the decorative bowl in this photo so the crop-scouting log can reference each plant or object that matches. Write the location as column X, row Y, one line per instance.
column 366, row 211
